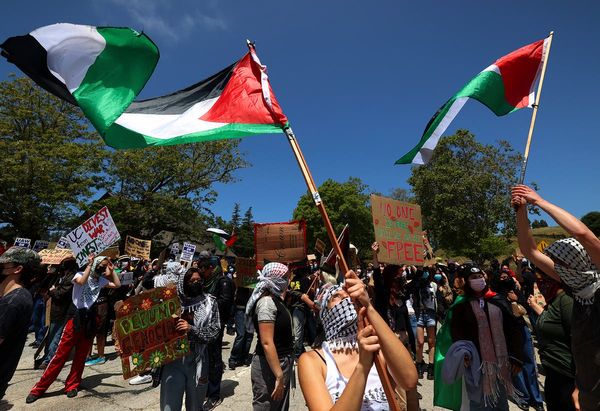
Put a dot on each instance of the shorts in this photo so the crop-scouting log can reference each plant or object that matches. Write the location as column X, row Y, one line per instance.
column 426, row 318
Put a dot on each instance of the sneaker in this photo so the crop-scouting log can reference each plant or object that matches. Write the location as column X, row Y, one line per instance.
column 31, row 398
column 96, row 361
column 430, row 372
column 212, row 403
column 141, row 379
column 420, row 370
column 538, row 407
column 72, row 393
column 232, row 365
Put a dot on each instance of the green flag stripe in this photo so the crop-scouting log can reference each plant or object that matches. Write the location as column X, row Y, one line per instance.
column 117, row 76
column 120, row 137
column 488, row 88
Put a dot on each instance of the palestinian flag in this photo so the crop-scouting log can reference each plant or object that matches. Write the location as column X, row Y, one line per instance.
column 235, row 102
column 221, row 239
column 505, row 86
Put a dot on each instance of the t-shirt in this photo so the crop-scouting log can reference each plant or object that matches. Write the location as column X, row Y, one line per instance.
column 84, row 296
column 554, row 332
column 272, row 309
column 427, row 296
column 16, row 308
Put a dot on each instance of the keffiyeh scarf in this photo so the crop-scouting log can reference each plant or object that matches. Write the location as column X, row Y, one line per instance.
column 272, row 278
column 173, row 272
column 340, row 321
column 579, row 274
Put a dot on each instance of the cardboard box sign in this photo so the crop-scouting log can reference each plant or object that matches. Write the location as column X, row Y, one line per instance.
column 245, row 272
column 55, row 256
column 136, row 247
column 146, row 333
column 280, row 242
column 320, row 246
column 398, row 230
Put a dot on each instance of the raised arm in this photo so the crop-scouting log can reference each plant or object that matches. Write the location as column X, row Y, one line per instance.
column 82, row 279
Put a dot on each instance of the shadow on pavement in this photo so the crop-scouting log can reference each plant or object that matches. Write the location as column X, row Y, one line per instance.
column 5, row 405
column 92, row 381
column 228, row 388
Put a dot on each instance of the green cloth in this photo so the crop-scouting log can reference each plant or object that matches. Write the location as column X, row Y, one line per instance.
column 446, row 395
column 554, row 332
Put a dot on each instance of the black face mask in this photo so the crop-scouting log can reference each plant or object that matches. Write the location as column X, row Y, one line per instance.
column 193, row 289
column 507, row 285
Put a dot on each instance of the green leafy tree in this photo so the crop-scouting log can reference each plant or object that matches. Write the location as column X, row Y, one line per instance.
column 464, row 194
column 402, row 194
column 539, row 223
column 236, row 218
column 51, row 161
column 346, row 203
column 169, row 188
column 592, row 220
column 244, row 246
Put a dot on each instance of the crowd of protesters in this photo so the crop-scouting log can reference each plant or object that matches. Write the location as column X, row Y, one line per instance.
column 470, row 328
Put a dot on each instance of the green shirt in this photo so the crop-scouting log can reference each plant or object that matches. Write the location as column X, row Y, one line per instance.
column 554, row 333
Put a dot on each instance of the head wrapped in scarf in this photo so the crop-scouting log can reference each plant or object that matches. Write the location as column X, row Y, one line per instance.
column 578, row 273
column 95, row 264
column 272, row 278
column 340, row 321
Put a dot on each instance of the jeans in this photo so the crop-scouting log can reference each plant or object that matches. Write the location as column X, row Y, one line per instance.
column 263, row 384
column 179, row 377
column 526, row 381
column 38, row 319
column 54, row 333
column 243, row 340
column 215, row 366
column 299, row 321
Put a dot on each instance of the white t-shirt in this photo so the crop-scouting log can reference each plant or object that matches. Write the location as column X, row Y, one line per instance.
column 84, row 296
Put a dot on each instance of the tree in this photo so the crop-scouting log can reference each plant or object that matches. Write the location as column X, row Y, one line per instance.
column 539, row 223
column 236, row 218
column 346, row 203
column 169, row 188
column 51, row 161
column 464, row 194
column 592, row 220
column 244, row 246
column 402, row 194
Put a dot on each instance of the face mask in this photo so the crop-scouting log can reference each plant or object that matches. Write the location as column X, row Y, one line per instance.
column 477, row 284
column 437, row 277
column 194, row 289
column 340, row 316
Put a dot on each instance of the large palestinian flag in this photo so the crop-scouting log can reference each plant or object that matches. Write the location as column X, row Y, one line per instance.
column 102, row 70
column 505, row 86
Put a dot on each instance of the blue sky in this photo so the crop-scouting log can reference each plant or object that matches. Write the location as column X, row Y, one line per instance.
column 359, row 82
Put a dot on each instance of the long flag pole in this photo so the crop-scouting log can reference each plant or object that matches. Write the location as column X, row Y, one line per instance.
column 535, row 109
column 379, row 360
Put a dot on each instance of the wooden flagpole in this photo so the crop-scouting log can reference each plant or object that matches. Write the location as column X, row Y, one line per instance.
column 535, row 109
column 379, row 360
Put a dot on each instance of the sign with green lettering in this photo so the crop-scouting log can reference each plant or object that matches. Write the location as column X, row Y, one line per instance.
column 146, row 333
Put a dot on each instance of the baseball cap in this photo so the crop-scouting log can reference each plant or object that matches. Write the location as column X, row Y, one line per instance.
column 22, row 256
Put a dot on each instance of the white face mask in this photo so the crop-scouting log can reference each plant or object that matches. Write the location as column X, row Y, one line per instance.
column 477, row 284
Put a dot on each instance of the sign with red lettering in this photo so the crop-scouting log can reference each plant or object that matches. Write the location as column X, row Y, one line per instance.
column 398, row 230
column 95, row 235
column 146, row 333
column 280, row 242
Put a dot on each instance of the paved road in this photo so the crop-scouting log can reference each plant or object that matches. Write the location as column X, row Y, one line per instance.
column 103, row 388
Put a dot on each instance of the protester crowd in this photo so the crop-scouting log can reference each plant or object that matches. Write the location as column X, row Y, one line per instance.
column 471, row 328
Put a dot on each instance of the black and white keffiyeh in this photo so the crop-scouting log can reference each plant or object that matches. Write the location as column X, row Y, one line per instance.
column 272, row 278
column 340, row 321
column 579, row 274
column 173, row 272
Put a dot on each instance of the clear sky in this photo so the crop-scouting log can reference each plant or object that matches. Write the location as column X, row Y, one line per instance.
column 360, row 80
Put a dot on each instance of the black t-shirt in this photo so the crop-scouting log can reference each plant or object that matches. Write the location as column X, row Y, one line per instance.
column 15, row 314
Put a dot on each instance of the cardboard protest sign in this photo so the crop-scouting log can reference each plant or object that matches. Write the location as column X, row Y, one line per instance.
column 245, row 272
column 175, row 248
column 136, row 247
column 146, row 333
column 63, row 243
column 54, row 256
column 320, row 246
column 95, row 235
column 22, row 242
column 280, row 242
column 398, row 230
column 39, row 245
column 110, row 252
column 541, row 246
column 188, row 252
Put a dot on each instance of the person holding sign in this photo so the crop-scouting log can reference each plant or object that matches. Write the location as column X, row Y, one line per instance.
column 200, row 320
column 80, row 328
column 574, row 262
column 340, row 374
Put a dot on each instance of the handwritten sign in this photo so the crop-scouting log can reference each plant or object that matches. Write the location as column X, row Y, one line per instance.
column 245, row 272
column 126, row 277
column 175, row 248
column 22, row 242
column 280, row 242
column 63, row 243
column 95, row 235
column 136, row 247
column 55, row 256
column 146, row 333
column 188, row 252
column 320, row 246
column 39, row 245
column 541, row 246
column 398, row 230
